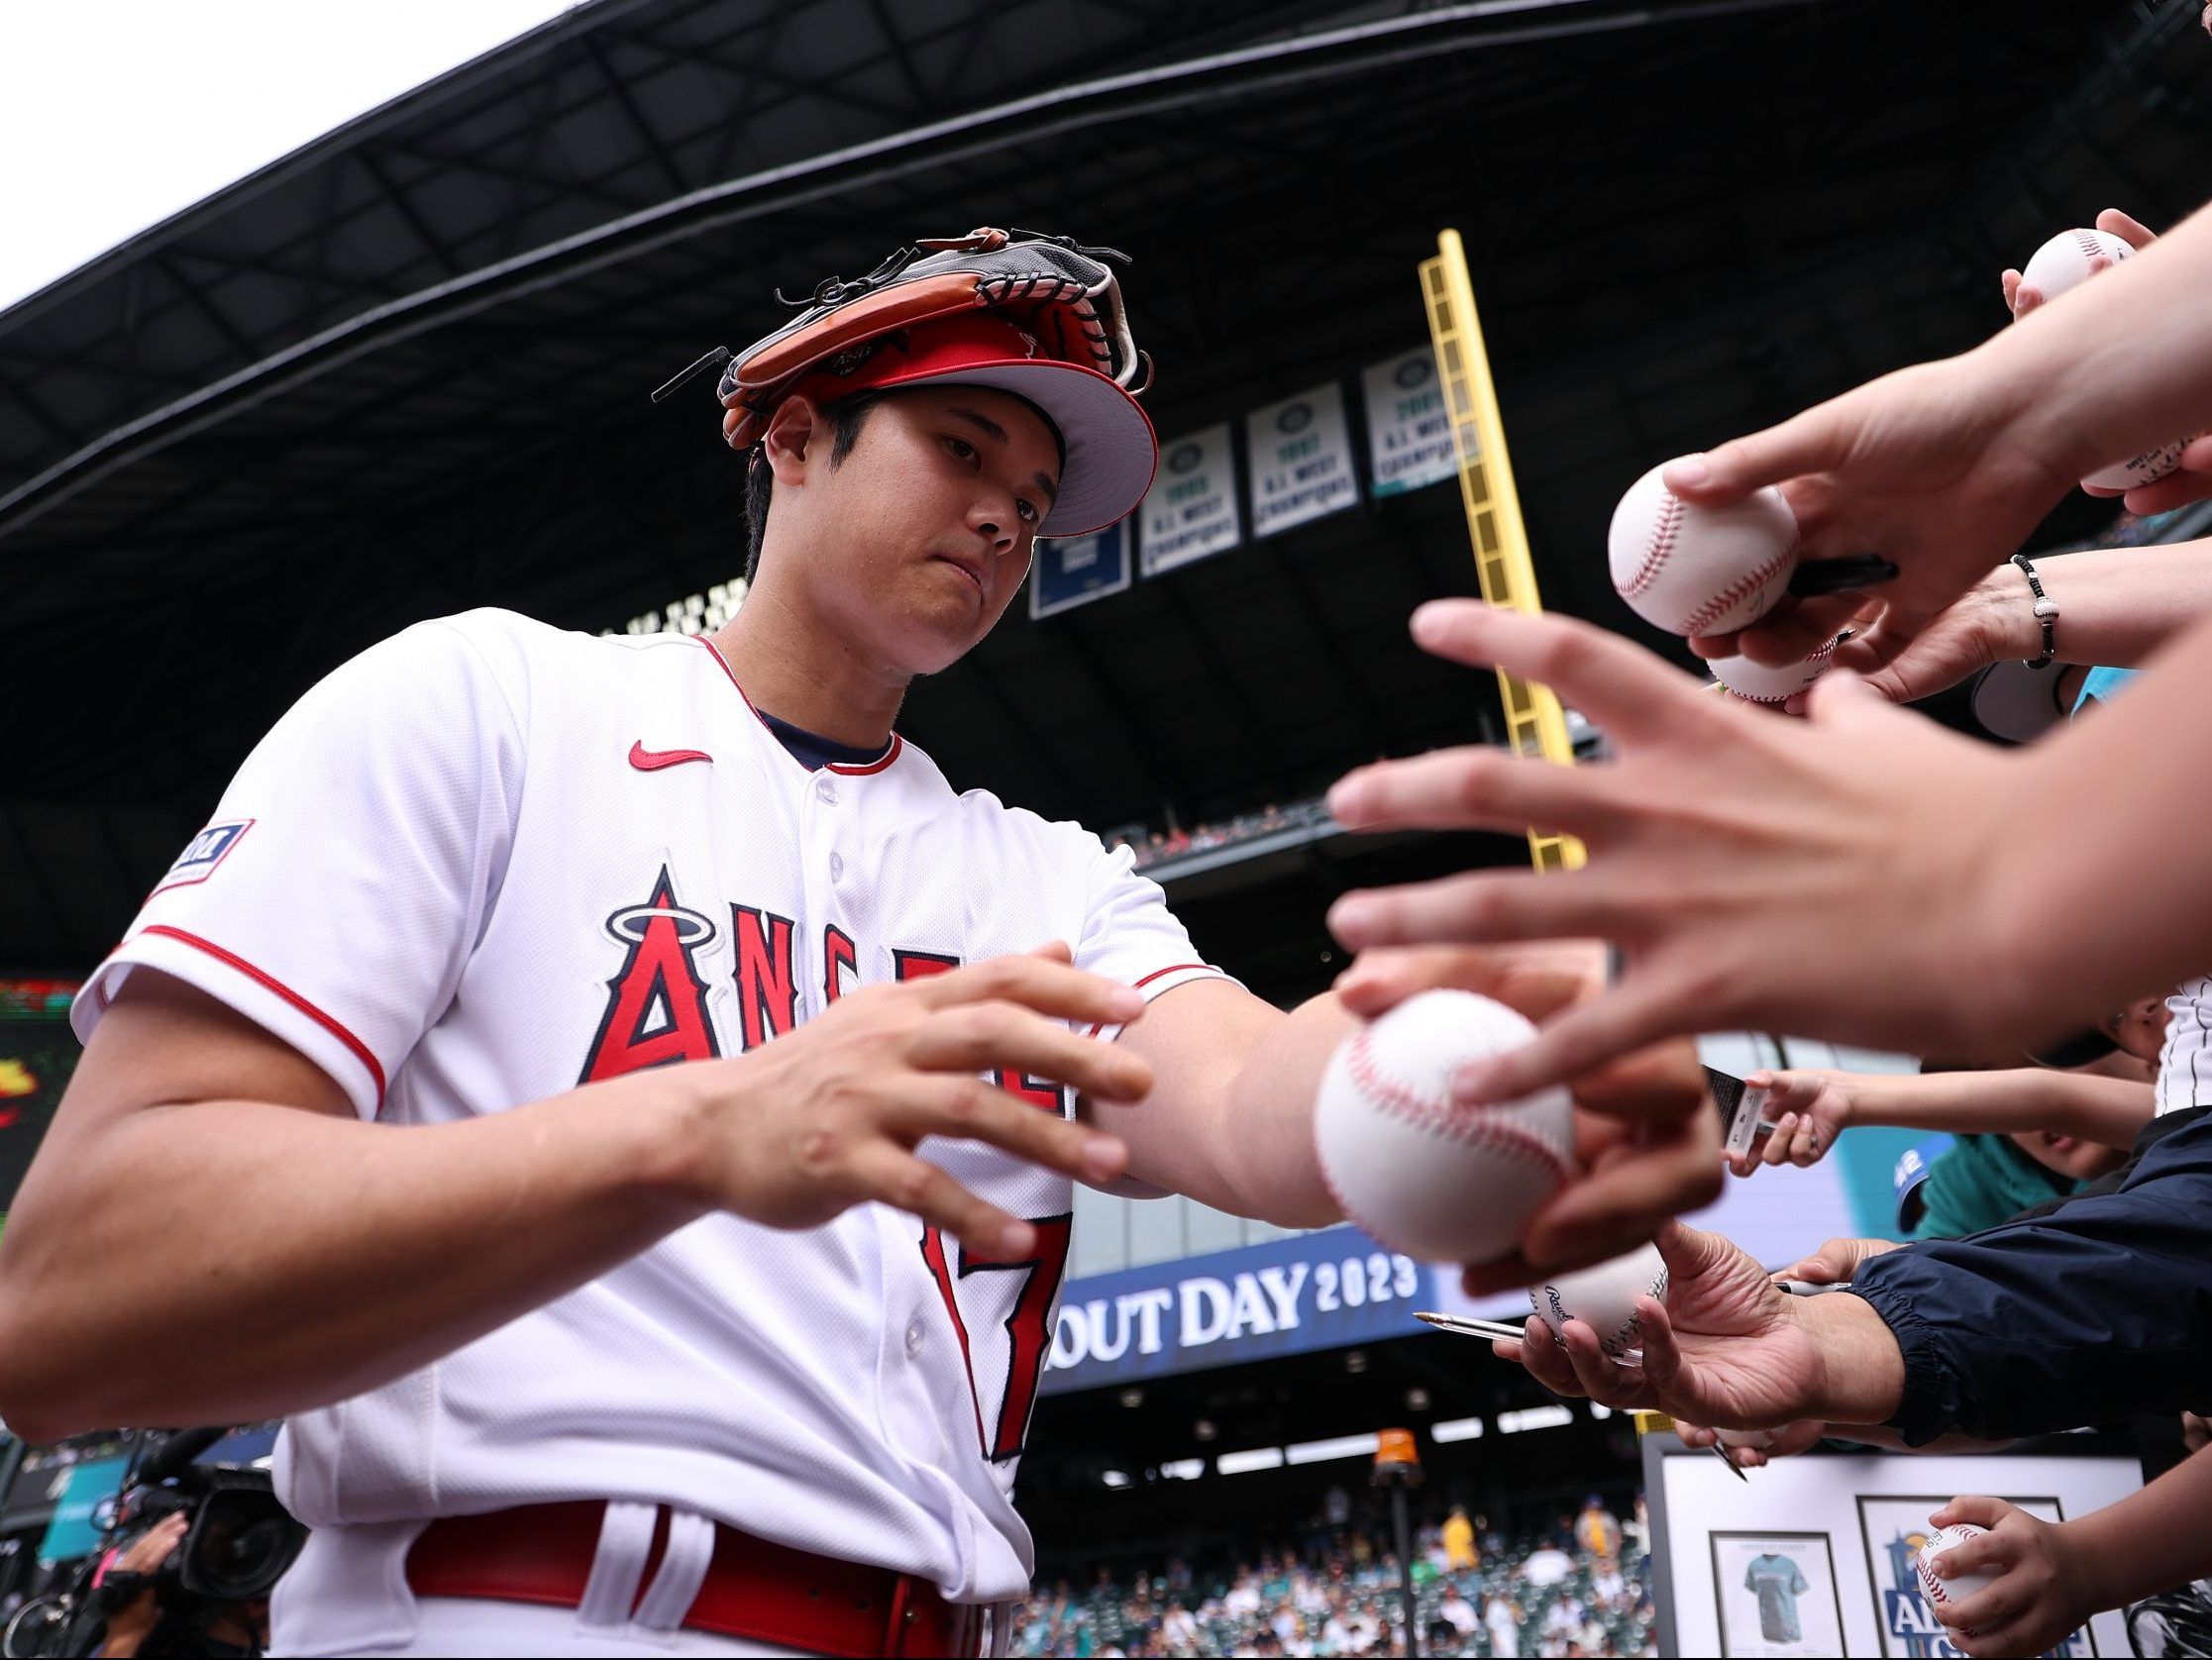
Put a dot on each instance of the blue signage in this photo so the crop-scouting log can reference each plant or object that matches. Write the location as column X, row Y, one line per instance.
column 1069, row 570
column 79, row 1516
column 1289, row 1296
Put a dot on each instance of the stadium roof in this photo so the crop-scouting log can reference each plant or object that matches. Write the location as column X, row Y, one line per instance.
column 403, row 370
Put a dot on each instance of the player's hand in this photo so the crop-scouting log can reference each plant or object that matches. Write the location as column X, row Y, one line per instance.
column 1786, row 1443
column 2039, row 1601
column 1943, row 468
column 1755, row 874
column 830, row 1114
column 1808, row 1109
column 1725, row 1347
column 1836, row 1260
column 1645, row 1127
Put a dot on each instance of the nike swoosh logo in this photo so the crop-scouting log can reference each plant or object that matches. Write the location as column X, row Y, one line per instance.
column 652, row 761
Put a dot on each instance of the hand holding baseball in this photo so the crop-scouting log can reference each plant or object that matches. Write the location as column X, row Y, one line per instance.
column 2036, row 1598
column 1755, row 874
column 829, row 1114
column 2023, row 293
column 1940, row 467
column 1726, row 1346
column 1644, row 1126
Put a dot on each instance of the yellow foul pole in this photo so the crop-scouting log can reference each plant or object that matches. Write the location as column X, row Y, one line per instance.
column 1534, row 723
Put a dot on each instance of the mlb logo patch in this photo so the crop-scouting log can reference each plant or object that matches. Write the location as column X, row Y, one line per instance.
column 203, row 853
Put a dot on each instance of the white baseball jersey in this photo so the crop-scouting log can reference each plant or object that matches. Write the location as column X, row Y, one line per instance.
column 487, row 861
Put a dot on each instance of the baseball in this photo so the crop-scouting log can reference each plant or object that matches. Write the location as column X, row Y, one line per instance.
column 2062, row 262
column 1440, row 1182
column 1756, row 684
column 1604, row 1297
column 2149, row 466
column 1938, row 1591
column 1693, row 570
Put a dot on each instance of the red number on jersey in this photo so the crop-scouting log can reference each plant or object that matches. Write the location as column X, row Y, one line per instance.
column 1027, row 1323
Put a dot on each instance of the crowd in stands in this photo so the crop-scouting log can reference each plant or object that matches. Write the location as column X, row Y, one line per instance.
column 1579, row 1589
column 1153, row 846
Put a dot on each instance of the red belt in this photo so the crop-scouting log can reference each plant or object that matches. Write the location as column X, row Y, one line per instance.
column 770, row 1592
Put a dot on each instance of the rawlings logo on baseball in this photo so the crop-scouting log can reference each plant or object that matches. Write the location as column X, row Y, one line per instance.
column 1604, row 1297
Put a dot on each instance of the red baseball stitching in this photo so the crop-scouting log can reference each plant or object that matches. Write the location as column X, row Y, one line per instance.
column 1471, row 1127
column 1933, row 1586
column 1750, row 582
column 2086, row 241
column 1821, row 656
column 1663, row 536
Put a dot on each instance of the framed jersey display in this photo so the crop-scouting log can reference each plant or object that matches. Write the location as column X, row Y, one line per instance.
column 1813, row 1555
column 1776, row 1594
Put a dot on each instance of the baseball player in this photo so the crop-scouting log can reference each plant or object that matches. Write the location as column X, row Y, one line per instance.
column 615, row 1098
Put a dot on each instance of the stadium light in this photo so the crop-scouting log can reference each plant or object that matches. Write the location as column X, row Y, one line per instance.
column 1114, row 1478
column 1337, row 1446
column 1183, row 1469
column 1456, row 1429
column 1534, row 1417
column 1258, row 1458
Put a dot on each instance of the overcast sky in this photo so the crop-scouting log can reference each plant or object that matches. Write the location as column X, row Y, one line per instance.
column 114, row 114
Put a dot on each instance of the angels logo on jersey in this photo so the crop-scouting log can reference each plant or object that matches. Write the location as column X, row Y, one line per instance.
column 656, row 1012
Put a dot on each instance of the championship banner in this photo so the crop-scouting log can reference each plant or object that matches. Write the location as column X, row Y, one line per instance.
column 1071, row 570
column 1190, row 511
column 1301, row 459
column 1409, row 430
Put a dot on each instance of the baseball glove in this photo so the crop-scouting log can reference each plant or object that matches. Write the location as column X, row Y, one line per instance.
column 1054, row 287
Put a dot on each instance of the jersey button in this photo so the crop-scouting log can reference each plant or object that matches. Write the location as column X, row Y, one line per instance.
column 836, row 867
column 827, row 790
column 913, row 1341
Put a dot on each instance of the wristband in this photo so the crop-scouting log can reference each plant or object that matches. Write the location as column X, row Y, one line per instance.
column 2045, row 611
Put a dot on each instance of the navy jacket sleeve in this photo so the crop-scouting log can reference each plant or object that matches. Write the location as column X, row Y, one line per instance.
column 2098, row 1311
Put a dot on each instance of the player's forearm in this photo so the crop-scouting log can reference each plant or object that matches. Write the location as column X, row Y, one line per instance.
column 1265, row 1132
column 2119, row 365
column 314, row 1257
column 2107, row 1110
column 2150, row 1541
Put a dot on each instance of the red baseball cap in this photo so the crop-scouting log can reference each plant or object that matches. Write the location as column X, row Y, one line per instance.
column 1111, row 449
